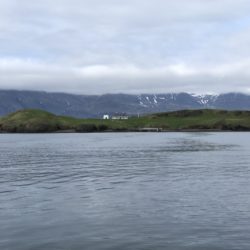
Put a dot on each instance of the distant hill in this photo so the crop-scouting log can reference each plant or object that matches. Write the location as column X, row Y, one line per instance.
column 87, row 106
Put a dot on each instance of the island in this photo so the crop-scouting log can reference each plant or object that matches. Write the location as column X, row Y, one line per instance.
column 39, row 121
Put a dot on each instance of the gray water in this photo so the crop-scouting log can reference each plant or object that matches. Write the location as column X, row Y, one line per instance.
column 125, row 191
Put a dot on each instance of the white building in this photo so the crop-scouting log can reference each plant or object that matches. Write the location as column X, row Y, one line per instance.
column 105, row 117
column 120, row 117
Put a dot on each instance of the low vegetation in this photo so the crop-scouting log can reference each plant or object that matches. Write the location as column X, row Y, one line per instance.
column 38, row 121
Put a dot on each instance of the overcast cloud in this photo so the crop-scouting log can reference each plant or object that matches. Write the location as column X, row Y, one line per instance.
column 130, row 46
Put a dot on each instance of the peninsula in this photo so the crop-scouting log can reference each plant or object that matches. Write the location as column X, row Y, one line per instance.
column 39, row 121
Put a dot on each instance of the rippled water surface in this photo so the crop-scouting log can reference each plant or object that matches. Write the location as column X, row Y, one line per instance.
column 125, row 191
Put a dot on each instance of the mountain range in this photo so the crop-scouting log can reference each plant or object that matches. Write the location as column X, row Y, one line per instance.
column 87, row 106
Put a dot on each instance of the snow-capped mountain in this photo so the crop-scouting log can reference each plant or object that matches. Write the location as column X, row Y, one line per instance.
column 96, row 106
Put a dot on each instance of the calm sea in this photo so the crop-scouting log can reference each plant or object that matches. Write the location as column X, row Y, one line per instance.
column 125, row 191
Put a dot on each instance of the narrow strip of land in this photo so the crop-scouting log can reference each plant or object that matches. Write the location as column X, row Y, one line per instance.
column 38, row 121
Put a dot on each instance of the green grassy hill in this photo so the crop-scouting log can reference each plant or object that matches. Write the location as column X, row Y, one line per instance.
column 35, row 121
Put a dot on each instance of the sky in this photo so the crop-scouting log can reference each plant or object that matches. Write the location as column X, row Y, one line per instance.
column 125, row 46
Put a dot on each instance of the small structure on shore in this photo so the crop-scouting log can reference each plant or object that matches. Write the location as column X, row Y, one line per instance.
column 150, row 130
column 106, row 117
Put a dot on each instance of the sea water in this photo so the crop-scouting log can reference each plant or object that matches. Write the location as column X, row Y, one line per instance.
column 125, row 191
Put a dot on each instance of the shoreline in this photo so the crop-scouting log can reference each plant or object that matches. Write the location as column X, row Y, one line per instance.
column 128, row 131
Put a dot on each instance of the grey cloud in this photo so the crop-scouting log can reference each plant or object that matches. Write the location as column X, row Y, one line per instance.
column 97, row 79
column 100, row 46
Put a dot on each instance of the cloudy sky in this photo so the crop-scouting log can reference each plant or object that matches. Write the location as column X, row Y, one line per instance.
column 130, row 46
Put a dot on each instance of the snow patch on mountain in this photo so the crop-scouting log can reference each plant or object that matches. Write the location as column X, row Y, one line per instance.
column 206, row 100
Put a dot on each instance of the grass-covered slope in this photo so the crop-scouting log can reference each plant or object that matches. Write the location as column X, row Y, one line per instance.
column 30, row 121
column 204, row 120
column 42, row 121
